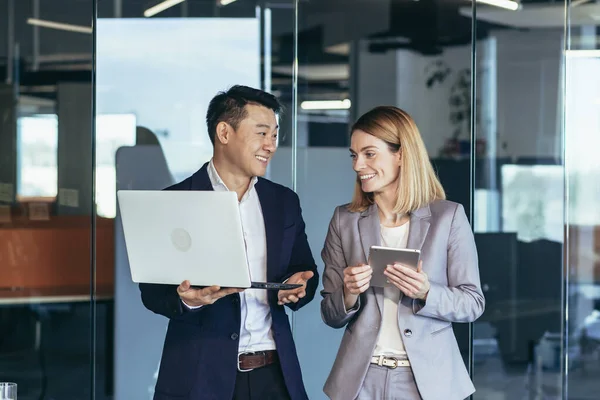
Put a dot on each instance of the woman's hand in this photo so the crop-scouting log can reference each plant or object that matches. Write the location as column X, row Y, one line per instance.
column 414, row 284
column 356, row 281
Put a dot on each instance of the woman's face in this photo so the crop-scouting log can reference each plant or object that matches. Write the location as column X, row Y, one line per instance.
column 377, row 167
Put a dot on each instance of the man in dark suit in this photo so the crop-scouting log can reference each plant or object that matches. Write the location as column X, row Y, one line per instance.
column 224, row 343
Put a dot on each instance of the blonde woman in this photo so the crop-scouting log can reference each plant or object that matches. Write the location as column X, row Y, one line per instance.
column 399, row 342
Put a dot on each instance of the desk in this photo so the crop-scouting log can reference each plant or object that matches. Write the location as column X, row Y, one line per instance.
column 48, row 295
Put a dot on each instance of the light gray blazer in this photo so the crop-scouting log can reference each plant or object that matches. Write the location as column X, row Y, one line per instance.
column 443, row 234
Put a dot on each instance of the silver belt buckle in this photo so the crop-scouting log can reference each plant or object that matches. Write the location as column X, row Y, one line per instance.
column 384, row 361
column 238, row 364
column 394, row 363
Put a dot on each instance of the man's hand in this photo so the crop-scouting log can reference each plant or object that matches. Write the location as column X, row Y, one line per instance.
column 201, row 297
column 414, row 284
column 293, row 295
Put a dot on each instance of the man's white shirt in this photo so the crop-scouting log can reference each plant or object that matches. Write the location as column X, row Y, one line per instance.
column 255, row 333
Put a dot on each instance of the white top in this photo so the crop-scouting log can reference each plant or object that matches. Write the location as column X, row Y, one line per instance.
column 389, row 342
column 255, row 333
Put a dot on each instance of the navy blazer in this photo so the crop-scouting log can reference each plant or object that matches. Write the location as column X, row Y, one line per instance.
column 199, row 359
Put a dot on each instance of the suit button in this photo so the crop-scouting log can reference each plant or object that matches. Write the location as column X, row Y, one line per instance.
column 407, row 333
column 234, row 336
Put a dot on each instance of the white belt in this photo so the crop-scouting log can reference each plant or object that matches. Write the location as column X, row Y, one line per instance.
column 390, row 362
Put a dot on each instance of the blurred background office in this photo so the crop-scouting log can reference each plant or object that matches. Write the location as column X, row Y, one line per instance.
column 98, row 95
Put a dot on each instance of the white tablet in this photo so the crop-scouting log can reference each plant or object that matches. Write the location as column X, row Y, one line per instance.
column 380, row 257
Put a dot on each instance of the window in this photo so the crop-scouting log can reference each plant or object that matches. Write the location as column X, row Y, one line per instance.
column 37, row 149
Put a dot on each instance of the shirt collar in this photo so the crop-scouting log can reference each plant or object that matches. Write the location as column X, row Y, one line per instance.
column 218, row 184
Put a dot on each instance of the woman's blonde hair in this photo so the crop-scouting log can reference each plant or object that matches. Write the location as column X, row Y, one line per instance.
column 419, row 184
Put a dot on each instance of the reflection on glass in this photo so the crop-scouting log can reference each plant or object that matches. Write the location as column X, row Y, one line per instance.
column 533, row 201
column 112, row 131
column 383, row 60
column 37, row 148
column 517, row 343
column 46, row 194
column 195, row 59
column 155, row 79
column 582, row 133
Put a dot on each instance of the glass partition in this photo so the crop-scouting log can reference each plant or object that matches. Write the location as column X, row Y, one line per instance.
column 582, row 172
column 395, row 53
column 519, row 203
column 98, row 96
column 157, row 70
column 47, row 235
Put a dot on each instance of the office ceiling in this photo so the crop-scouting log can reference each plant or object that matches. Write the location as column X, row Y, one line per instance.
column 327, row 27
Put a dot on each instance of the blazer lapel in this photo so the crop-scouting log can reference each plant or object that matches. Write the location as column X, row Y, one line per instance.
column 200, row 180
column 273, row 216
column 419, row 225
column 368, row 228
column 370, row 235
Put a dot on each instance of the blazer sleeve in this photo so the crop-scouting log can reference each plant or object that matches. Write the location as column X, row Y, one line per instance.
column 333, row 309
column 161, row 299
column 301, row 259
column 462, row 300
column 164, row 300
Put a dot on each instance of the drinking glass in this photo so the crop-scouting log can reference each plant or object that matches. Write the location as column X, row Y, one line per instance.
column 8, row 391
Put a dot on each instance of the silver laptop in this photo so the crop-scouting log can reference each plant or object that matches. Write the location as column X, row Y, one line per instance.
column 172, row 236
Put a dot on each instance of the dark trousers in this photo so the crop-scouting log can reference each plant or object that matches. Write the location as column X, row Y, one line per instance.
column 264, row 383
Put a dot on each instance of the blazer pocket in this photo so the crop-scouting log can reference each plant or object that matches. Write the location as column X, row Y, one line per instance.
column 289, row 225
column 289, row 232
column 288, row 237
column 438, row 326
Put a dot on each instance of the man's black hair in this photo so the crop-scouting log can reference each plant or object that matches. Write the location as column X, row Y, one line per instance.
column 230, row 107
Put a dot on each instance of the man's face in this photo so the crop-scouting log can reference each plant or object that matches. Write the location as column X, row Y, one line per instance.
column 253, row 143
